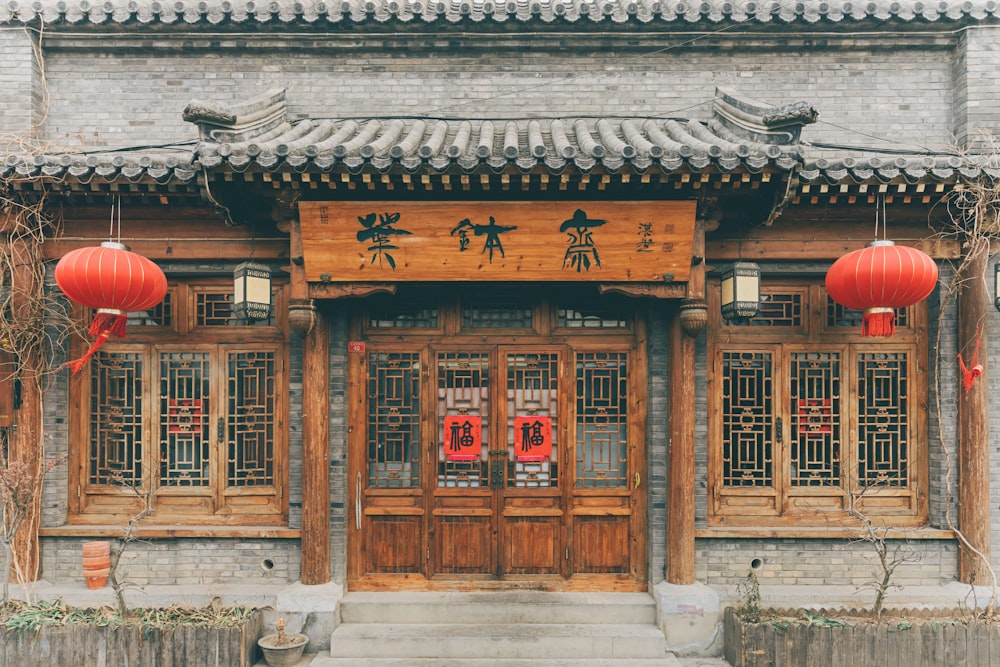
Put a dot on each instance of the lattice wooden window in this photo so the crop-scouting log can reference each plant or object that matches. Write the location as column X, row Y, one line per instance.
column 883, row 430
column 213, row 307
column 403, row 316
column 839, row 316
column 601, row 419
column 189, row 414
column 596, row 315
column 116, row 407
column 815, row 419
column 463, row 381
column 747, row 419
column 394, row 443
column 807, row 417
column 251, row 413
column 533, row 390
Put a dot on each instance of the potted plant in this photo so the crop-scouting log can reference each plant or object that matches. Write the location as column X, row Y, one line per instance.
column 282, row 649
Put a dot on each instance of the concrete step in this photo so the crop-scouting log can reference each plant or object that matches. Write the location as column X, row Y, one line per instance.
column 324, row 660
column 498, row 607
column 508, row 640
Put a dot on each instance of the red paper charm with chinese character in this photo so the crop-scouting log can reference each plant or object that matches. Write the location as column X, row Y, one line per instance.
column 113, row 281
column 463, row 437
column 879, row 279
column 532, row 438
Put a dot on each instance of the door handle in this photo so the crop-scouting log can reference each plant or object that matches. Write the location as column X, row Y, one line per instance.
column 357, row 503
column 637, row 478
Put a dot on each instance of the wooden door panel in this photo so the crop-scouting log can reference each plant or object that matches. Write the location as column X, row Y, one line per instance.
column 601, row 544
column 394, row 544
column 531, row 544
column 464, row 544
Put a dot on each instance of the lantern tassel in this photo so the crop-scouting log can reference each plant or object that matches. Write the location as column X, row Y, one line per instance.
column 103, row 326
column 878, row 322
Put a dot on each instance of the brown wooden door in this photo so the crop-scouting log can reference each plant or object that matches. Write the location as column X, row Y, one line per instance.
column 428, row 514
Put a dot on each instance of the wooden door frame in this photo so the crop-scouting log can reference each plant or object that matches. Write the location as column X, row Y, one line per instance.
column 568, row 344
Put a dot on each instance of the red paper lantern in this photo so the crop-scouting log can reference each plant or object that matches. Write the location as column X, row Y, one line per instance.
column 879, row 279
column 115, row 282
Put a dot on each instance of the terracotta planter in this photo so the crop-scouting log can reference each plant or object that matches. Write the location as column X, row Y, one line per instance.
column 96, row 563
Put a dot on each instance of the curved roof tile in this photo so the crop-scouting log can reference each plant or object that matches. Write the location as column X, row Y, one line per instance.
column 283, row 12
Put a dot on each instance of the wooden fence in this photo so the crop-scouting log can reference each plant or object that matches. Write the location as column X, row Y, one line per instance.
column 92, row 646
column 901, row 641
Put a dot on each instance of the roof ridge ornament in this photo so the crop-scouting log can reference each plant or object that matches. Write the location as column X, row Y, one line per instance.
column 759, row 121
column 240, row 122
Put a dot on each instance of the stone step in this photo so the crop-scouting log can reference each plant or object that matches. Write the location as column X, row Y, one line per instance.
column 324, row 660
column 498, row 607
column 521, row 641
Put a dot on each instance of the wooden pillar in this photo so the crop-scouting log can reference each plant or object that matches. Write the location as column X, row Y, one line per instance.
column 973, row 425
column 316, row 454
column 680, row 457
column 308, row 322
column 25, row 444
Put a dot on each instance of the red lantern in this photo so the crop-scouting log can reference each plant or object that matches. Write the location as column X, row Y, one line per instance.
column 879, row 279
column 113, row 281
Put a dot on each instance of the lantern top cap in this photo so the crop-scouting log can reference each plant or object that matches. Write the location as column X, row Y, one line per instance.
column 114, row 245
column 880, row 243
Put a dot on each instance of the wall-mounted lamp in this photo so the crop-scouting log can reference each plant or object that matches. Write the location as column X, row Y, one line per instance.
column 996, row 285
column 252, row 292
column 741, row 292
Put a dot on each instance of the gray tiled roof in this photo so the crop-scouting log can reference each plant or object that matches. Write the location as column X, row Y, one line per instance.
column 318, row 12
column 743, row 135
column 258, row 135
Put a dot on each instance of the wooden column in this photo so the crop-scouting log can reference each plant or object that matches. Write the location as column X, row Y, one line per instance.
column 307, row 321
column 25, row 443
column 680, row 457
column 316, row 454
column 973, row 425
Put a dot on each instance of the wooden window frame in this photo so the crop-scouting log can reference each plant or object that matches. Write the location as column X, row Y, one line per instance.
column 218, row 503
column 782, row 505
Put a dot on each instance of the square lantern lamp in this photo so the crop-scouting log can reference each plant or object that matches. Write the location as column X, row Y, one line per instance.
column 252, row 292
column 741, row 292
column 996, row 285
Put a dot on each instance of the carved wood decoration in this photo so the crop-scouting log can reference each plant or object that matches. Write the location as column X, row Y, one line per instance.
column 647, row 241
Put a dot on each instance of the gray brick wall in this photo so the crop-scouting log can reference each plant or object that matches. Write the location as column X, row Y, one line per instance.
column 977, row 87
column 118, row 98
column 202, row 562
column 657, row 437
column 18, row 73
column 338, row 316
column 821, row 562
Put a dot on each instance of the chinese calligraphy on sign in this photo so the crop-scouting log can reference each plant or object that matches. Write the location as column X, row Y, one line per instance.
column 491, row 231
column 502, row 241
column 581, row 241
column 378, row 231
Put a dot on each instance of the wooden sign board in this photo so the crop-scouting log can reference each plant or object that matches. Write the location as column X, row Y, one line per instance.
column 633, row 241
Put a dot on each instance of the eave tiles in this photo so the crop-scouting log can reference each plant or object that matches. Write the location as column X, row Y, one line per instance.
column 318, row 12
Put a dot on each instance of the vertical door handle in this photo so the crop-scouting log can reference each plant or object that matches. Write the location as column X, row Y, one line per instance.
column 357, row 503
column 637, row 478
column 777, row 428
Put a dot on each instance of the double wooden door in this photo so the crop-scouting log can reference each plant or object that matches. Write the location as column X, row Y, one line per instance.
column 498, row 463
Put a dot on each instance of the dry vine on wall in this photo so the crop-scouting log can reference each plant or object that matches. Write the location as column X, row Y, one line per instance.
column 973, row 219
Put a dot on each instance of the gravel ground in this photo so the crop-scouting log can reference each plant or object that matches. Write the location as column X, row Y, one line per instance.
column 704, row 662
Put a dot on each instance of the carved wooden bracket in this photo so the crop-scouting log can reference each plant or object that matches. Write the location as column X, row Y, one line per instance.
column 302, row 316
column 340, row 290
column 655, row 290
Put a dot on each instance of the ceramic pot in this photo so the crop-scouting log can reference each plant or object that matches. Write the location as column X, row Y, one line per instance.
column 286, row 654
